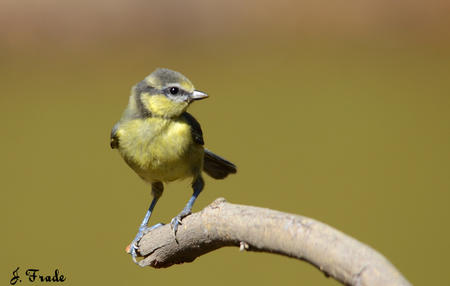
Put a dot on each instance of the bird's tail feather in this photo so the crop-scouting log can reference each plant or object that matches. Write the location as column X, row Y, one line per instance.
column 216, row 166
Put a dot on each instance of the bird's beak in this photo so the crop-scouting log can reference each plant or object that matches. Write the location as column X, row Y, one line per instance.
column 197, row 95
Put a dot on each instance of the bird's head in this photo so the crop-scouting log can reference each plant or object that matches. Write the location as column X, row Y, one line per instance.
column 165, row 93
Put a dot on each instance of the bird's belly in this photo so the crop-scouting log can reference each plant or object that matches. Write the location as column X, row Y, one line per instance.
column 166, row 168
column 161, row 154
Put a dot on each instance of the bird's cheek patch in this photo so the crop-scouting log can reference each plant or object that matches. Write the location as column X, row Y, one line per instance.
column 162, row 106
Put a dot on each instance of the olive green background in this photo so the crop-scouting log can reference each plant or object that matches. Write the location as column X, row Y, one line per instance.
column 339, row 113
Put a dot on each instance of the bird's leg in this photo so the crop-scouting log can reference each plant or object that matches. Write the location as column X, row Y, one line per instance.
column 157, row 190
column 197, row 186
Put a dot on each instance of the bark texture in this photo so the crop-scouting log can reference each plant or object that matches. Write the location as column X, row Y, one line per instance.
column 258, row 229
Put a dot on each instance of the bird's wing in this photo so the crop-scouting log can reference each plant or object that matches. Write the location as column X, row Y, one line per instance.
column 114, row 138
column 196, row 130
column 217, row 167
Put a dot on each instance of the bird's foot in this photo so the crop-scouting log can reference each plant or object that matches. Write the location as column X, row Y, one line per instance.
column 134, row 244
column 176, row 221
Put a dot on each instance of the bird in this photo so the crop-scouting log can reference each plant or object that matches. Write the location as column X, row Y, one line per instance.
column 162, row 142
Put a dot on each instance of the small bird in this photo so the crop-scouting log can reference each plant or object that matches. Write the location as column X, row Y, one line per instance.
column 161, row 142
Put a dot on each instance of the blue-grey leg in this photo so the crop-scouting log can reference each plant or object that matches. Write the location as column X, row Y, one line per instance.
column 197, row 186
column 157, row 190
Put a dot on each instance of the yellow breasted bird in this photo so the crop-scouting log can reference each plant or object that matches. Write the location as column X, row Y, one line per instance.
column 161, row 142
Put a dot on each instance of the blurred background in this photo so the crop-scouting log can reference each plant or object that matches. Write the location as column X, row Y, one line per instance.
column 336, row 111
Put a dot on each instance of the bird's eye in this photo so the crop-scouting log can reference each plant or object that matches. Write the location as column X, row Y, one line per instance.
column 174, row 90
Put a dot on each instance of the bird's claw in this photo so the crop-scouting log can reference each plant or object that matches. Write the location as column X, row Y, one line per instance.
column 133, row 251
column 176, row 221
column 134, row 244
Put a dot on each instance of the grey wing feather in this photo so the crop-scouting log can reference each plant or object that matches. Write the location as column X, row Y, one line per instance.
column 196, row 130
column 216, row 166
column 114, row 139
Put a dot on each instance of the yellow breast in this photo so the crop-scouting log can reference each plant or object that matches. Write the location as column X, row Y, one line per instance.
column 160, row 149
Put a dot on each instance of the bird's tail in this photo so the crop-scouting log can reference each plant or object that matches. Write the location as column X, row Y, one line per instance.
column 216, row 166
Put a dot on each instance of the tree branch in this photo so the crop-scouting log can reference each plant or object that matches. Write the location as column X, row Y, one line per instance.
column 257, row 229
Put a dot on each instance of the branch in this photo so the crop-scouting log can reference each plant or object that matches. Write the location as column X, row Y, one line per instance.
column 257, row 229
